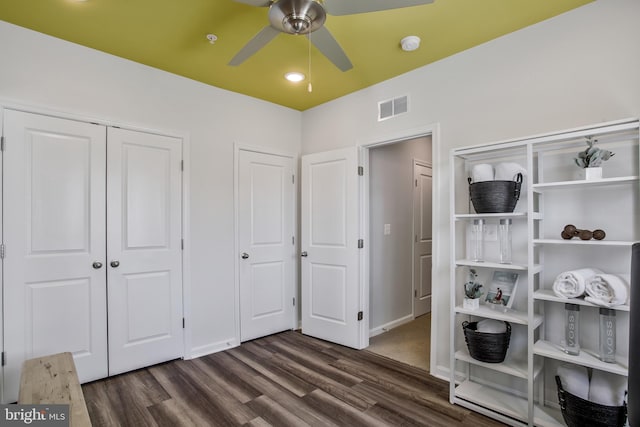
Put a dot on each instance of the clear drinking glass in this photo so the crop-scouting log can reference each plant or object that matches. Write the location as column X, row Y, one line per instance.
column 504, row 236
column 477, row 240
column 607, row 348
column 572, row 329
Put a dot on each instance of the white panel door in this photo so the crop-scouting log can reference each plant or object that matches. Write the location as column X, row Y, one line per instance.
column 422, row 214
column 54, row 231
column 144, row 257
column 331, row 289
column 265, row 238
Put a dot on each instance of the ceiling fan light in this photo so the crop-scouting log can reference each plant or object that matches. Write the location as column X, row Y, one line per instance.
column 294, row 76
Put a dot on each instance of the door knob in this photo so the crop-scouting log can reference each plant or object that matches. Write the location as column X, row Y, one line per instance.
column 115, row 264
column 97, row 265
column 304, row 253
column 245, row 255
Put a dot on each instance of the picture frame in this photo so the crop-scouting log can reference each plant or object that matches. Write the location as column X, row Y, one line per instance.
column 502, row 288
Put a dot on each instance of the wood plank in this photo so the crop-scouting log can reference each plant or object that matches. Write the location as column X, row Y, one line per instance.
column 53, row 380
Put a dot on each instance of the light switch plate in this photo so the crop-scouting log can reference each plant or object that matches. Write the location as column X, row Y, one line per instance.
column 387, row 229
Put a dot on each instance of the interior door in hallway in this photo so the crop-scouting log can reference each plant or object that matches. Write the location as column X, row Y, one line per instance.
column 265, row 238
column 54, row 232
column 422, row 255
column 144, row 253
column 332, row 294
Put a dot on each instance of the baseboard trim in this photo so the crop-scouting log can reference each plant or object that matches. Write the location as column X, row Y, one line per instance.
column 388, row 326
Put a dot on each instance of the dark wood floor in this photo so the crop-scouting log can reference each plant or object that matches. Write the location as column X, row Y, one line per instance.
column 286, row 379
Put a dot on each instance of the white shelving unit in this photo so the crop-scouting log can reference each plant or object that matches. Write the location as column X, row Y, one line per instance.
column 521, row 390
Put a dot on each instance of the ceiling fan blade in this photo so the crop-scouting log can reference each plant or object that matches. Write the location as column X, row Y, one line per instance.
column 255, row 44
column 256, row 3
column 324, row 41
column 351, row 7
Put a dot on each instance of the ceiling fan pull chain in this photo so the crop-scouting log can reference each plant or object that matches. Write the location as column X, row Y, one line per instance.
column 309, row 86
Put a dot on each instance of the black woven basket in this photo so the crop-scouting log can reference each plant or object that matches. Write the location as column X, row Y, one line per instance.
column 578, row 412
column 484, row 346
column 495, row 196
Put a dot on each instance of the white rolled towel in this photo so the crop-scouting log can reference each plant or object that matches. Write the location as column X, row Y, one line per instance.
column 507, row 171
column 572, row 283
column 482, row 172
column 607, row 389
column 491, row 326
column 574, row 379
column 607, row 290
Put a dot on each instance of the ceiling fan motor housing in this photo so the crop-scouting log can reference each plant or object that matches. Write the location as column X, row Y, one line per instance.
column 297, row 16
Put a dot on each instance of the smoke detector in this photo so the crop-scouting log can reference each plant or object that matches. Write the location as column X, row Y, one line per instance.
column 410, row 43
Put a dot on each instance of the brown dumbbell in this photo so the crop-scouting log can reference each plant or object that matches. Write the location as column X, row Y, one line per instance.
column 599, row 234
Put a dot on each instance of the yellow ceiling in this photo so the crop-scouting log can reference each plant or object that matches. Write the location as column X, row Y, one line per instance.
column 171, row 35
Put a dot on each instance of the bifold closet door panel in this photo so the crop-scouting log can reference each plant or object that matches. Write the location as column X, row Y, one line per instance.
column 54, row 232
column 144, row 255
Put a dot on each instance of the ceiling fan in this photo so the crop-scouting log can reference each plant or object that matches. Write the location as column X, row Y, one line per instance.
column 308, row 16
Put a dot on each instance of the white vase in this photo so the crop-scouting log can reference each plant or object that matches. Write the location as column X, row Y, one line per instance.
column 471, row 303
column 591, row 174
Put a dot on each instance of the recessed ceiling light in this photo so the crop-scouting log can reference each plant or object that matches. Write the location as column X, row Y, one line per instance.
column 294, row 77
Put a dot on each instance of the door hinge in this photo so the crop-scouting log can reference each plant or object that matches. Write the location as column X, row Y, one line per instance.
column 360, row 315
column 182, row 165
column 415, row 293
column 1, row 143
column 183, row 323
column 416, row 182
column 4, row 358
column 293, row 179
column 294, row 301
column 293, row 240
column 2, row 250
column 360, row 243
column 415, row 238
column 360, row 170
column 182, row 244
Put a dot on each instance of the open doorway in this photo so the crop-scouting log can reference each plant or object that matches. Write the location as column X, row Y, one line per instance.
column 400, row 207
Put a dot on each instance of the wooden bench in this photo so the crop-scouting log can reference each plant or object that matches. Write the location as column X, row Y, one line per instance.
column 53, row 380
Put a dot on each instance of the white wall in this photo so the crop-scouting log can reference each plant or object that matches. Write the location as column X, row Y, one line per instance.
column 391, row 202
column 49, row 73
column 578, row 68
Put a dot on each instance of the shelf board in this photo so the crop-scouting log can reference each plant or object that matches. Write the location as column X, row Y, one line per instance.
column 513, row 215
column 549, row 295
column 585, row 183
column 577, row 242
column 585, row 358
column 512, row 316
column 488, row 264
column 496, row 400
column 516, row 368
column 545, row 416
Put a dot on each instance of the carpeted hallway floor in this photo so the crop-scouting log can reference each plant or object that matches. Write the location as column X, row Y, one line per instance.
column 409, row 343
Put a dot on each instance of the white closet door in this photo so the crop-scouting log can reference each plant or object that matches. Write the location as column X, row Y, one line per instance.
column 144, row 260
column 332, row 294
column 265, row 232
column 54, row 218
column 423, row 242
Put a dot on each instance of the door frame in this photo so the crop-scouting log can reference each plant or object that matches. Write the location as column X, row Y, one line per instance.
column 185, row 196
column 432, row 130
column 424, row 163
column 237, row 148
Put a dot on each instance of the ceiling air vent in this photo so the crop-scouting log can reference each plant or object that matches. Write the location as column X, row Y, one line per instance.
column 392, row 107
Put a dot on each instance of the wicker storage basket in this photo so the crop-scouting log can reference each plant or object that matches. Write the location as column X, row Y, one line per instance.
column 495, row 196
column 486, row 347
column 578, row 412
